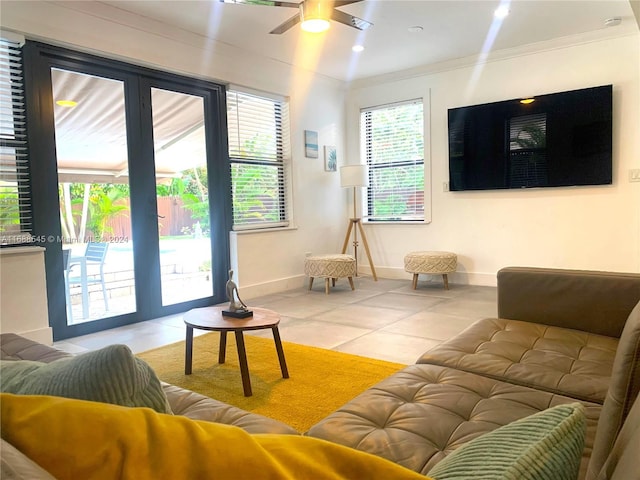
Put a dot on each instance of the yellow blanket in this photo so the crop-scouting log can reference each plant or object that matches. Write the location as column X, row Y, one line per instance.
column 75, row 439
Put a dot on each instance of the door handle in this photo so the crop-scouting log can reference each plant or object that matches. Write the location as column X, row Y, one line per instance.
column 160, row 216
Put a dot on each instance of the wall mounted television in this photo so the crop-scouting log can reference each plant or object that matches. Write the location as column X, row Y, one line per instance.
column 557, row 140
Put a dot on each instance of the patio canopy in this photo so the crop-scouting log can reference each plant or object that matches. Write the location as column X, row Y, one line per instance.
column 91, row 139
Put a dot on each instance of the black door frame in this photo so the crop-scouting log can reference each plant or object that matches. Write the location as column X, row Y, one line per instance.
column 39, row 58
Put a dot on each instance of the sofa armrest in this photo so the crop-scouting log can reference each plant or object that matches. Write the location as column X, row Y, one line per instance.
column 15, row 347
column 596, row 302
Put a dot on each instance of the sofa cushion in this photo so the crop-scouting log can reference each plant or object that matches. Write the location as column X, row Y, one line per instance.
column 544, row 446
column 200, row 407
column 421, row 414
column 74, row 439
column 15, row 465
column 112, row 374
column 559, row 360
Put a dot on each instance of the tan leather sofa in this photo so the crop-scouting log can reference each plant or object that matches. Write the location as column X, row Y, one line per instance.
column 562, row 336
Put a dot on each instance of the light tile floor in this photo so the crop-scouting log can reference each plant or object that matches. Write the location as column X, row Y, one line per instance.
column 386, row 319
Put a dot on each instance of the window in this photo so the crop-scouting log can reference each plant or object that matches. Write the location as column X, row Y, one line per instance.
column 260, row 158
column 15, row 192
column 392, row 139
column 527, row 151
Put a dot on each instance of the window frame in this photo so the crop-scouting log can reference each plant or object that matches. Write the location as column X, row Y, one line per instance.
column 366, row 155
column 280, row 158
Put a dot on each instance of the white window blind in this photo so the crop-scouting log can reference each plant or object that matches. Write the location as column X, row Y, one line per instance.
column 15, row 193
column 259, row 151
column 392, row 139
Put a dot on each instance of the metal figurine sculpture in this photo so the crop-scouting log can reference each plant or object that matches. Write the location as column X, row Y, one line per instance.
column 237, row 308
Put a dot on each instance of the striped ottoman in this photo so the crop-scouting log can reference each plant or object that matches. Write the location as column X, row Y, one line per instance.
column 330, row 267
column 430, row 263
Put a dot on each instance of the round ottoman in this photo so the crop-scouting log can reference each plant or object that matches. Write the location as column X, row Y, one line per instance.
column 330, row 267
column 430, row 263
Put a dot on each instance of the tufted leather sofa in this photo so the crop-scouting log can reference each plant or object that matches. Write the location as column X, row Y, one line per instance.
column 561, row 336
column 584, row 347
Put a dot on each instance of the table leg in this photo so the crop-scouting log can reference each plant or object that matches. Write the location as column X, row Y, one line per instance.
column 188, row 353
column 222, row 353
column 244, row 366
column 283, row 363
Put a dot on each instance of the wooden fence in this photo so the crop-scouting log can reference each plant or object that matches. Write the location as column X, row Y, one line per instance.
column 173, row 218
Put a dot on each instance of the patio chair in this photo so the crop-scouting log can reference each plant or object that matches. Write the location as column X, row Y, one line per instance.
column 95, row 254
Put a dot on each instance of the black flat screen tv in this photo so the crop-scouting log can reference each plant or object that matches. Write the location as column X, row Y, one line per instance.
column 556, row 140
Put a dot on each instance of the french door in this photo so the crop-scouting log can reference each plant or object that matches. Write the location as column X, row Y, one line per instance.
column 132, row 197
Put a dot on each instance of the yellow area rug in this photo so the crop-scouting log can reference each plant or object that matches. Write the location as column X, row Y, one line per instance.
column 320, row 382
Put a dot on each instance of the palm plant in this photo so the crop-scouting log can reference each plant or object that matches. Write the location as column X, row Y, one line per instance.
column 102, row 208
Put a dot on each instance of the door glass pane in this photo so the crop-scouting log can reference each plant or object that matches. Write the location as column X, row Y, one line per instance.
column 183, row 203
column 93, row 176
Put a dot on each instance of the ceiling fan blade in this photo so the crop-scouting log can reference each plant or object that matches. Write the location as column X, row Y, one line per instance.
column 266, row 3
column 350, row 20
column 283, row 27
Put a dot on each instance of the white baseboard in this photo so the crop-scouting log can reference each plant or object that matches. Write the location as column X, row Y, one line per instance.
column 461, row 278
column 297, row 281
column 274, row 286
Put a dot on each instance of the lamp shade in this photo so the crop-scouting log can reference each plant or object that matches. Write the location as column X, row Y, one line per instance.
column 354, row 176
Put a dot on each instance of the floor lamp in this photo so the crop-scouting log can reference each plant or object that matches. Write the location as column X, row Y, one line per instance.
column 356, row 176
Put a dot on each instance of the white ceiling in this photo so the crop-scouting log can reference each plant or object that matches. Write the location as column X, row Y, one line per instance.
column 452, row 29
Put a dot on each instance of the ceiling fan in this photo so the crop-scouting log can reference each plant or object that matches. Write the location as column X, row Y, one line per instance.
column 313, row 15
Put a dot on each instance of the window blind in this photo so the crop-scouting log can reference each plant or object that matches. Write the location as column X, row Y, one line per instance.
column 15, row 193
column 392, row 138
column 259, row 152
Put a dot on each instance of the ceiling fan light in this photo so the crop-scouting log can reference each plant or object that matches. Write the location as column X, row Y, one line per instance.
column 314, row 16
column 315, row 25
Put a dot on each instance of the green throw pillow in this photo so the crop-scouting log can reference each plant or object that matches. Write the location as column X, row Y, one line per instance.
column 110, row 375
column 545, row 446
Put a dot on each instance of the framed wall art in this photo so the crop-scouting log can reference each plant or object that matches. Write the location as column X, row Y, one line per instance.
column 330, row 159
column 310, row 144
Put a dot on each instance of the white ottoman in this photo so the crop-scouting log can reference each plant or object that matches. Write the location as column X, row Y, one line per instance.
column 330, row 267
column 430, row 263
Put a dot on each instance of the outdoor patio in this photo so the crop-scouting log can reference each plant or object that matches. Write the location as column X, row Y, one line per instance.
column 185, row 275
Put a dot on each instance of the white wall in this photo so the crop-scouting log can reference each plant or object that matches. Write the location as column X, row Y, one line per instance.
column 23, row 297
column 586, row 227
column 264, row 261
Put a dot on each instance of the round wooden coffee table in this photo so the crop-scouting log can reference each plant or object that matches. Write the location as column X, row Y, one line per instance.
column 211, row 318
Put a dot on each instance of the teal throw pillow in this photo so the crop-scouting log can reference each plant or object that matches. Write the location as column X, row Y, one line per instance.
column 110, row 375
column 545, row 446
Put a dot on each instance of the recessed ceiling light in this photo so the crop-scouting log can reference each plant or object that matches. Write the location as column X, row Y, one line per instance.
column 415, row 29
column 67, row 103
column 357, row 48
column 501, row 12
column 612, row 22
column 527, row 101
